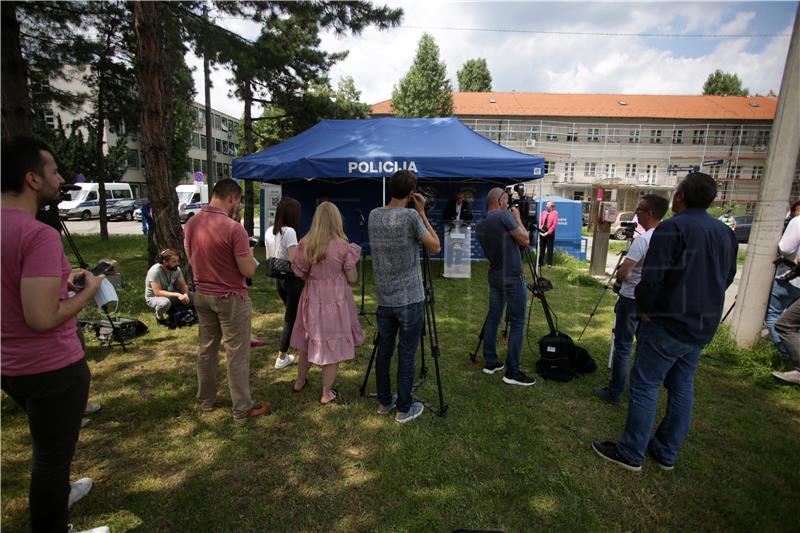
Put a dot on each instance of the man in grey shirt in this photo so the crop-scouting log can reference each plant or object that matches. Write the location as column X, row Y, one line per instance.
column 395, row 233
column 165, row 286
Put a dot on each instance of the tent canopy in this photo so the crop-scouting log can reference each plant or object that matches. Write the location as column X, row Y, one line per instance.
column 378, row 147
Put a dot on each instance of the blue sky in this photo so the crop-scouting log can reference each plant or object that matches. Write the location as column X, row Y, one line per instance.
column 573, row 61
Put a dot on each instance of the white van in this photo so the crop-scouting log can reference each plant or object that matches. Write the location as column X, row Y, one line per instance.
column 191, row 198
column 85, row 203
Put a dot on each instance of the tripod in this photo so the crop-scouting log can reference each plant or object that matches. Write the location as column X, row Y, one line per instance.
column 116, row 335
column 429, row 326
column 361, row 222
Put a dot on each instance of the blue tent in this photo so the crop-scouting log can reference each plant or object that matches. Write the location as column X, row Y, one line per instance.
column 430, row 147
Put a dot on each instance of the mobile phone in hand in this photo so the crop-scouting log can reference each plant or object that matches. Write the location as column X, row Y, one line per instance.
column 100, row 268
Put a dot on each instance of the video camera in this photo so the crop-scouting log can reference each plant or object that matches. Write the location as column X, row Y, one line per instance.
column 793, row 269
column 525, row 204
column 430, row 198
column 630, row 229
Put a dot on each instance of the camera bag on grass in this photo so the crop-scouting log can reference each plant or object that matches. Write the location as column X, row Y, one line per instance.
column 279, row 268
column 561, row 360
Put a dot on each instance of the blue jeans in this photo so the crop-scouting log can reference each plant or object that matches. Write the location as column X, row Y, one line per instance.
column 624, row 330
column 511, row 292
column 781, row 296
column 660, row 358
column 408, row 321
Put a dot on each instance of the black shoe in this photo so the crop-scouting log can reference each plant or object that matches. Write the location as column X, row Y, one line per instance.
column 664, row 466
column 491, row 368
column 518, row 378
column 603, row 394
column 608, row 451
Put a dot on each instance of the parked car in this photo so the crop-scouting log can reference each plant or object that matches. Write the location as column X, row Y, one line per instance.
column 741, row 227
column 617, row 229
column 123, row 210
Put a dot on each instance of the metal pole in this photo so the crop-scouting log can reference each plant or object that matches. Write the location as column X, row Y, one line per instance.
column 754, row 289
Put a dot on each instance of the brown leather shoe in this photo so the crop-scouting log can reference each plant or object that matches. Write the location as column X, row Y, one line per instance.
column 258, row 409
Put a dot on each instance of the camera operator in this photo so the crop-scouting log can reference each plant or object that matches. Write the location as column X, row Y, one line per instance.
column 786, row 286
column 43, row 365
column 650, row 211
column 395, row 233
column 165, row 287
column 501, row 233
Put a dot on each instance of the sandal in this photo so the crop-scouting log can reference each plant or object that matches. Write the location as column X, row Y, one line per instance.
column 301, row 388
column 334, row 394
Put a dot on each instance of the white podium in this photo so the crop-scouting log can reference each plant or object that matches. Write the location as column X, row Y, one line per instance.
column 457, row 242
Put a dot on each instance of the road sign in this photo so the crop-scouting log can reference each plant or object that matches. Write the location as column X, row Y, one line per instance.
column 198, row 176
column 712, row 162
column 676, row 168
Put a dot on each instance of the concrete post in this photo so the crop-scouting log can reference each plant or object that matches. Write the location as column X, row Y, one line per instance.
column 756, row 280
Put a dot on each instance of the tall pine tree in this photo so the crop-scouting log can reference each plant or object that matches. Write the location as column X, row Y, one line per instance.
column 425, row 90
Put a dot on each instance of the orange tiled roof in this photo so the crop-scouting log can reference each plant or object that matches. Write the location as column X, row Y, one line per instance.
column 607, row 106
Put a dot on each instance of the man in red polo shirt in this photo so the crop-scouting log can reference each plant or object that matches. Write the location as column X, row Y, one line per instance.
column 218, row 250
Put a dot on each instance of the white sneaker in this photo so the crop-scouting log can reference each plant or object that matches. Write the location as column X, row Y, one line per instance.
column 101, row 529
column 792, row 376
column 79, row 489
column 283, row 363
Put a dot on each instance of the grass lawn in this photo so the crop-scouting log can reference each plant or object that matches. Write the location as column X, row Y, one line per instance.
column 504, row 458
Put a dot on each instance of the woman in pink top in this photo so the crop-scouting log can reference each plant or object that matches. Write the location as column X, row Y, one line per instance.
column 326, row 330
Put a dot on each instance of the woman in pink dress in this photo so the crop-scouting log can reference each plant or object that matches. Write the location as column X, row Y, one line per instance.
column 326, row 330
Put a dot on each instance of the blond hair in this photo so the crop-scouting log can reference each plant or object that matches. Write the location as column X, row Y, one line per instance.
column 325, row 226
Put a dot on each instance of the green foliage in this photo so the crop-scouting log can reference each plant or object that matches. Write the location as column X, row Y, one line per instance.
column 425, row 90
column 474, row 76
column 318, row 103
column 723, row 84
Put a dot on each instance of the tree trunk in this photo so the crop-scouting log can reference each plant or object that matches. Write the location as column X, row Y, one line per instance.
column 98, row 153
column 17, row 118
column 249, row 147
column 156, row 123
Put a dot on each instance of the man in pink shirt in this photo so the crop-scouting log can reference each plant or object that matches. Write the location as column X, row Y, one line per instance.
column 548, row 221
column 43, row 365
column 218, row 249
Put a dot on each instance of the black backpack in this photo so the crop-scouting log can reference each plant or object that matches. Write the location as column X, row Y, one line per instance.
column 561, row 360
column 181, row 318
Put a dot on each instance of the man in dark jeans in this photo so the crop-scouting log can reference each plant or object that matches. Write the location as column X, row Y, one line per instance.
column 395, row 233
column 44, row 369
column 690, row 262
column 501, row 234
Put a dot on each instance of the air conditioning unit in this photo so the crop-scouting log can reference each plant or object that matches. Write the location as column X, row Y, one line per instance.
column 530, row 143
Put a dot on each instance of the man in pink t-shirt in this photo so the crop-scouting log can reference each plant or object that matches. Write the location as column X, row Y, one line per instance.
column 548, row 221
column 43, row 366
column 218, row 250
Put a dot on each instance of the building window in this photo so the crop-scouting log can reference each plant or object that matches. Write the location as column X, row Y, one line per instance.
column 489, row 131
column 719, row 136
column 630, row 170
column 655, row 136
column 593, row 135
column 551, row 134
column 48, row 117
column 201, row 118
column 572, row 136
column 611, row 170
column 219, row 169
column 613, row 135
column 734, row 172
column 652, row 173
column 133, row 159
column 196, row 140
column 590, row 170
column 204, row 167
column 633, row 136
column 203, row 143
column 578, row 195
column 699, row 137
column 744, row 137
column 713, row 171
column 757, row 173
column 549, row 167
column 217, row 122
column 569, row 171
column 677, row 136
column 197, row 166
column 225, row 148
column 218, row 146
column 762, row 138
column 532, row 133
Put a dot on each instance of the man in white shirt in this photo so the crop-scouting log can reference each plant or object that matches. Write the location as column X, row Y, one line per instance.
column 650, row 211
column 787, row 326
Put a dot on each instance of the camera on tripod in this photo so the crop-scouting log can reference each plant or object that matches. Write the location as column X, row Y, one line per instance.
column 792, row 272
column 525, row 204
column 429, row 195
column 630, row 229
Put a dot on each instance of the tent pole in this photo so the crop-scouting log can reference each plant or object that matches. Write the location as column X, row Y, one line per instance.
column 383, row 198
